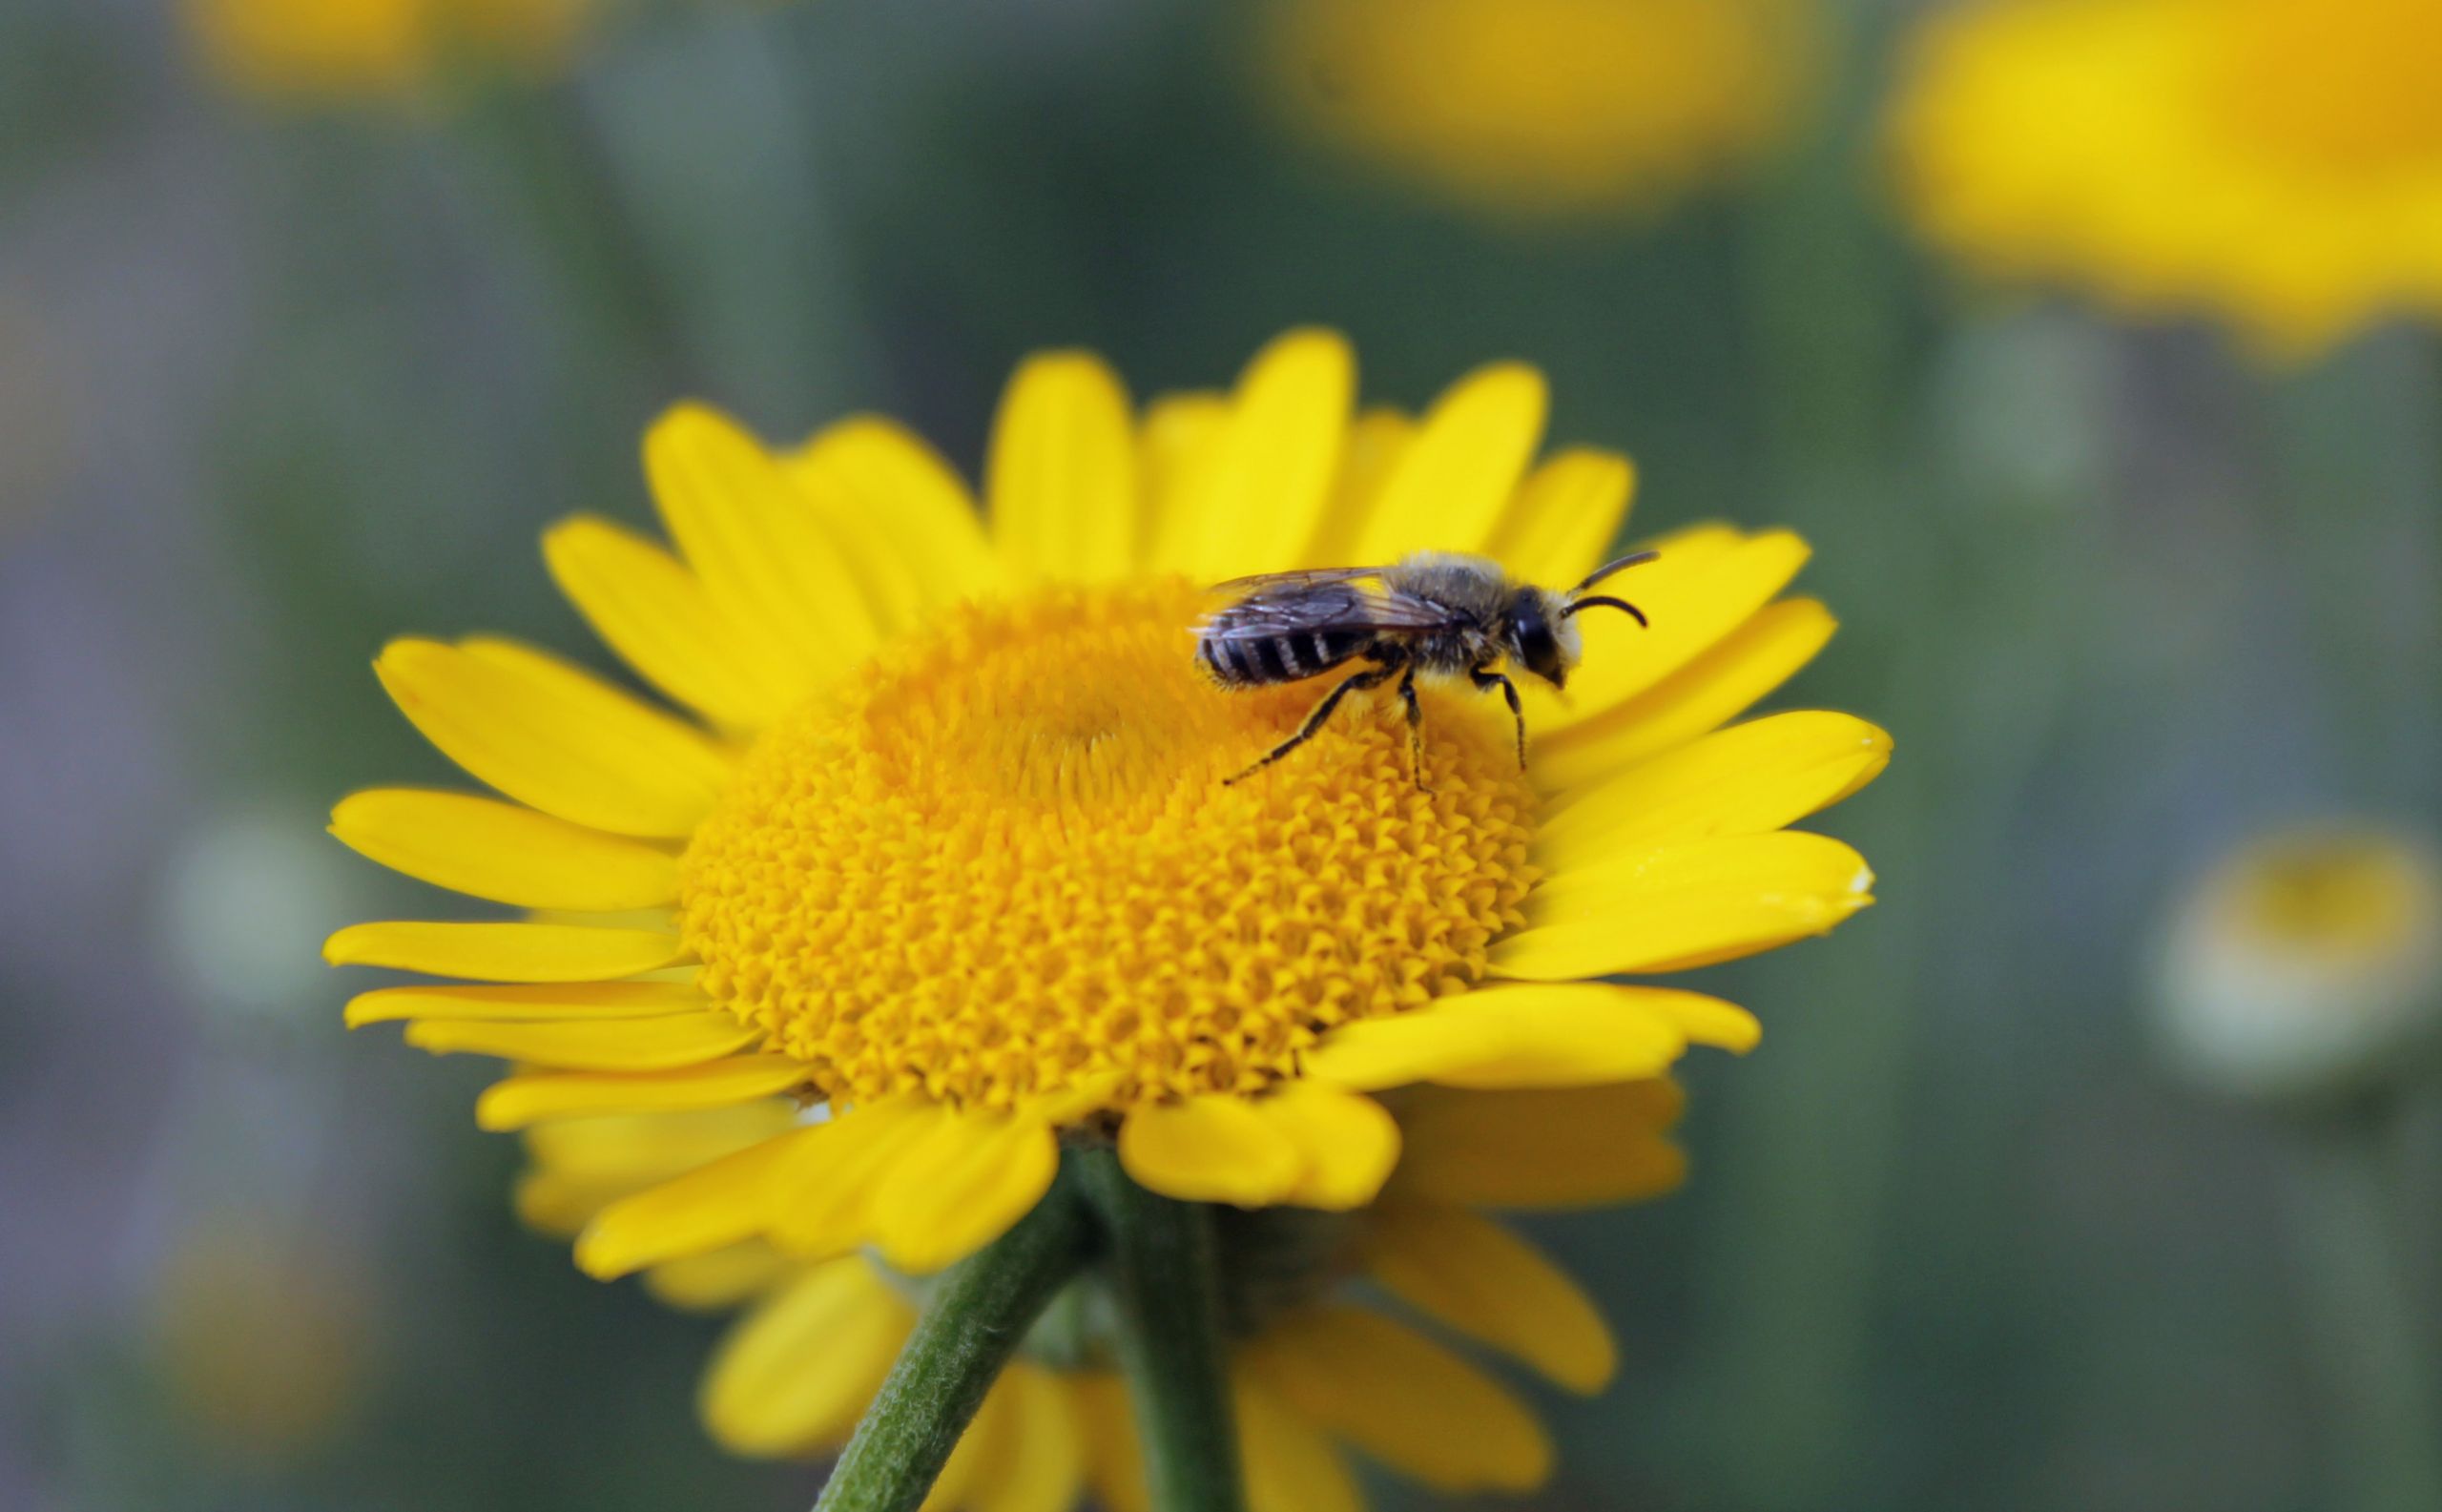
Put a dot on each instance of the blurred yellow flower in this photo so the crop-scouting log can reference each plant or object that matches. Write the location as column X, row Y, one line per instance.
column 951, row 850
column 263, row 1336
column 2308, row 962
column 1314, row 1371
column 346, row 49
column 2274, row 163
column 1543, row 106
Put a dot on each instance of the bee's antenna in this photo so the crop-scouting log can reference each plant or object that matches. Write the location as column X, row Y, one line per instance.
column 1606, row 601
column 1622, row 565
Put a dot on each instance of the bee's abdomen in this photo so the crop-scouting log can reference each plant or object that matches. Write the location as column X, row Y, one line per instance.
column 1291, row 657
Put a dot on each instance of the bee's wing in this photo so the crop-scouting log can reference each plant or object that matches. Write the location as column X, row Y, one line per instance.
column 1306, row 577
column 1328, row 604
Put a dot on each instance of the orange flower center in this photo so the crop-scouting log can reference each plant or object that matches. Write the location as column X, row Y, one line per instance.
column 1004, row 862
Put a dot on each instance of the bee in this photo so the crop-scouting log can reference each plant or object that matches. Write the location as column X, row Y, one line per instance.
column 1432, row 613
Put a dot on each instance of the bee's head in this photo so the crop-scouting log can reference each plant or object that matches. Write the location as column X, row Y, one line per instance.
column 1541, row 636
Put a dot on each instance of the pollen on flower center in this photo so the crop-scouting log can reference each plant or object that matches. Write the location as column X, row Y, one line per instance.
column 2341, row 88
column 1002, row 863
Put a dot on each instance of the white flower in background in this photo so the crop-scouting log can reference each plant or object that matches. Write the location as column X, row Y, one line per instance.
column 2307, row 964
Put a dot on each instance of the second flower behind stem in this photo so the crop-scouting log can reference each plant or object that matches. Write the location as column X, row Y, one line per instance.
column 1165, row 1277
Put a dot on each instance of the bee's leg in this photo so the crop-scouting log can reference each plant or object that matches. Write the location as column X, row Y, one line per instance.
column 1482, row 678
column 1370, row 677
column 1416, row 727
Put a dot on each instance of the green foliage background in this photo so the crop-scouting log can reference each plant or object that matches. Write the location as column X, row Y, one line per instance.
column 275, row 386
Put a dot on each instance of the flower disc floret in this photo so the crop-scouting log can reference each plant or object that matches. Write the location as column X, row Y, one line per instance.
column 1005, row 862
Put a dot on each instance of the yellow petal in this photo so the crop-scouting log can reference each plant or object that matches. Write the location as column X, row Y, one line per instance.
column 1681, row 906
column 795, row 1374
column 507, row 952
column 1418, row 1045
column 662, row 621
column 1515, row 1034
column 824, row 1199
column 1215, row 1148
column 1709, row 691
column 1290, row 1467
column 1454, row 481
column 558, row 1204
column 534, row 1097
column 1582, row 1034
column 1773, row 861
column 1090, row 1093
column 500, row 851
column 1742, row 780
column 768, row 560
column 1706, row 1021
column 962, row 1188
column 575, row 999
column 1042, row 1462
column 1691, row 544
column 1566, row 515
column 1062, row 476
column 1560, row 1147
column 1404, row 1399
column 915, row 506
column 717, row 1204
column 609, row 1044
column 1693, row 606
column 1376, row 444
column 1176, row 440
column 1474, row 1276
column 1347, row 1144
column 720, row 1279
column 1114, row 1458
column 1258, row 497
column 893, row 590
column 645, row 1148
column 553, row 737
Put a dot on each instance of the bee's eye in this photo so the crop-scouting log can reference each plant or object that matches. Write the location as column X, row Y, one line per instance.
column 1536, row 649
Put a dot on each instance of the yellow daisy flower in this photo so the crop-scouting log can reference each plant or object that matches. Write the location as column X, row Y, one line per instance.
column 2276, row 163
column 1545, row 105
column 948, row 851
column 1314, row 1373
column 346, row 49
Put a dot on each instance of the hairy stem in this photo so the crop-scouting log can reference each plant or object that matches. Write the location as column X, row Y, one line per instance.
column 974, row 1323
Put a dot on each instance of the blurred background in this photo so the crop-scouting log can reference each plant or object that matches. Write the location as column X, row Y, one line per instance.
column 313, row 313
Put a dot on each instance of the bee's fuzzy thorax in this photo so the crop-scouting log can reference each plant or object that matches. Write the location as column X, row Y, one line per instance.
column 1475, row 585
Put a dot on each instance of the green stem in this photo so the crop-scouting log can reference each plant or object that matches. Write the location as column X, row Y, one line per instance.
column 1165, row 1280
column 2379, row 1386
column 974, row 1323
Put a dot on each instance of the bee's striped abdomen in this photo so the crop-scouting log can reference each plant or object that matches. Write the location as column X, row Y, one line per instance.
column 1286, row 657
